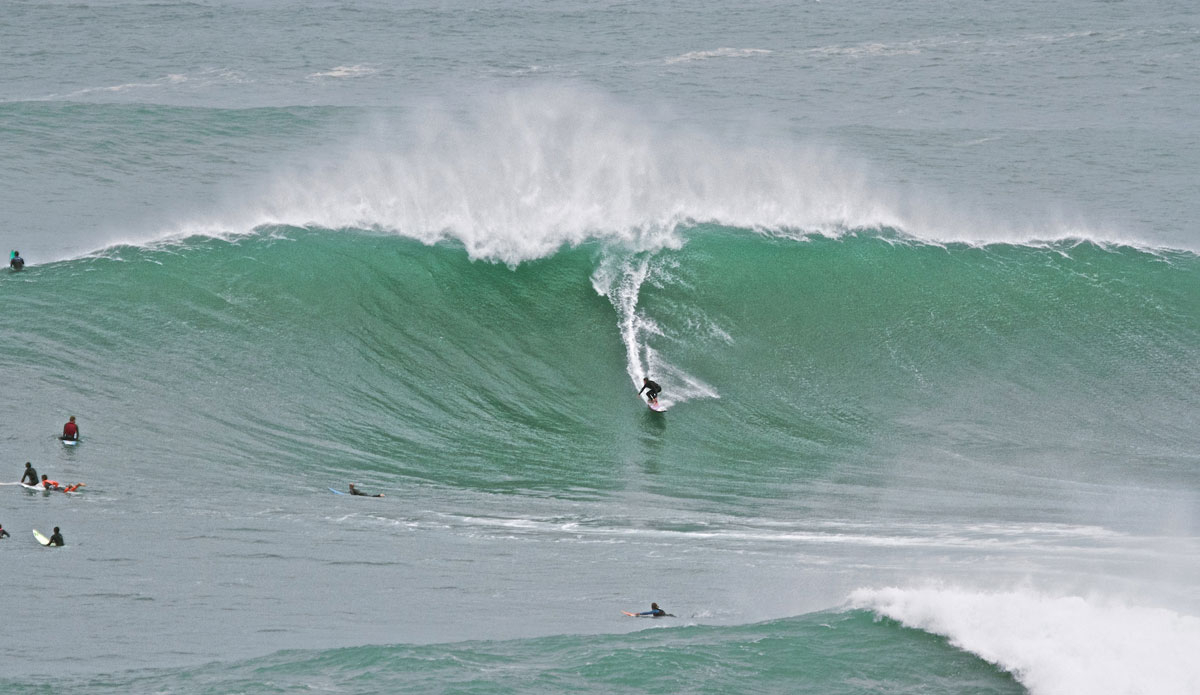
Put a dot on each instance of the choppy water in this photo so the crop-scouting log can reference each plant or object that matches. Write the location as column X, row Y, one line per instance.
column 920, row 284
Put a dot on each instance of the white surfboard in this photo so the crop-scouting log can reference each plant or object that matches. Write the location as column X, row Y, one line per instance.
column 657, row 407
column 70, row 442
column 40, row 538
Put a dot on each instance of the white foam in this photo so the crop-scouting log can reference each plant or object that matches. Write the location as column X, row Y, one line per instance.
column 1056, row 644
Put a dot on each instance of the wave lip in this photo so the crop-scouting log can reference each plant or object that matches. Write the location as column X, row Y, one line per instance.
column 1056, row 645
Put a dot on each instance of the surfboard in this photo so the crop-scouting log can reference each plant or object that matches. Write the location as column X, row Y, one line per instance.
column 70, row 442
column 34, row 488
column 657, row 407
column 338, row 492
column 40, row 538
column 631, row 615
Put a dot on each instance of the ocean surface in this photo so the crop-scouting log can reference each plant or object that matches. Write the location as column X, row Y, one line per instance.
column 920, row 282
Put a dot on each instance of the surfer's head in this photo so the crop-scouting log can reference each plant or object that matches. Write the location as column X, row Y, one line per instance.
column 654, row 606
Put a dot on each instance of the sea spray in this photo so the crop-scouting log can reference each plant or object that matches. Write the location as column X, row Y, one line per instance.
column 516, row 175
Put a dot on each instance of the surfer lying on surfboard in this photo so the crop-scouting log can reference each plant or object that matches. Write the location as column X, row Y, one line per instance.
column 49, row 484
column 356, row 491
column 654, row 612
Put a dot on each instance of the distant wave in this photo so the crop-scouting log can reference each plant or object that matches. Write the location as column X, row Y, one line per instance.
column 199, row 80
column 718, row 53
column 161, row 82
column 918, row 46
column 346, row 71
column 871, row 49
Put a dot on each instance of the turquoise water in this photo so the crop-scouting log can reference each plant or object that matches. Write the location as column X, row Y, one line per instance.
column 820, row 654
column 921, row 289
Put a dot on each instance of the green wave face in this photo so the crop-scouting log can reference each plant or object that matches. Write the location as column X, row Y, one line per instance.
column 835, row 654
column 854, row 363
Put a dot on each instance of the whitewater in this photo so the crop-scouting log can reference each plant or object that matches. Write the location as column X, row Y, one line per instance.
column 921, row 287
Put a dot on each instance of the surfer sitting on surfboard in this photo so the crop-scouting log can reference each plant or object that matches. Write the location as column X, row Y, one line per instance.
column 56, row 538
column 30, row 474
column 356, row 491
column 652, row 389
column 70, row 430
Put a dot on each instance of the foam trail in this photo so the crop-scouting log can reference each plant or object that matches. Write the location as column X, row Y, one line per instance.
column 621, row 280
column 1056, row 645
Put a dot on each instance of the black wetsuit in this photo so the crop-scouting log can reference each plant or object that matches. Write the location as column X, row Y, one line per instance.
column 56, row 539
column 16, row 263
column 31, row 476
column 651, row 388
column 3, row 533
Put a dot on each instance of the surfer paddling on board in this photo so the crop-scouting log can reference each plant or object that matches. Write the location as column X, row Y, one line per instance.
column 654, row 612
column 70, row 431
column 3, row 533
column 652, row 390
column 360, row 493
